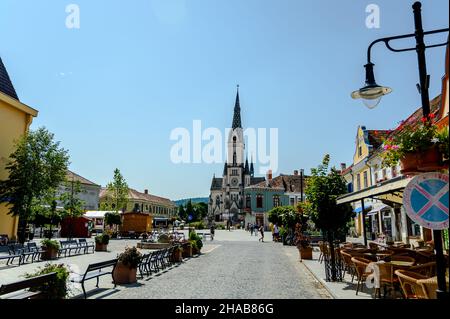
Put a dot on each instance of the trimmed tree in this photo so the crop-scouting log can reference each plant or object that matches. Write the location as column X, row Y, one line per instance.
column 324, row 186
column 37, row 165
column 117, row 190
column 73, row 205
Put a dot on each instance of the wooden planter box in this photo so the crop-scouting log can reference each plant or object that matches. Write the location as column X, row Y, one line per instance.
column 124, row 275
column 49, row 253
column 101, row 247
column 177, row 256
column 305, row 253
column 187, row 252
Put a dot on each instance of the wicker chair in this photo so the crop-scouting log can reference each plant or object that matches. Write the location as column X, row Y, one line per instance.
column 409, row 282
column 428, row 269
column 360, row 265
column 429, row 287
column 322, row 249
column 387, row 278
column 349, row 267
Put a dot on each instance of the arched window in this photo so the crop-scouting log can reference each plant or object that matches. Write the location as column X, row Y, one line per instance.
column 259, row 201
column 248, row 201
column 276, row 200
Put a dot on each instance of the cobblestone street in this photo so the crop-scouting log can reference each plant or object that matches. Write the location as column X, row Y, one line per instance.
column 233, row 265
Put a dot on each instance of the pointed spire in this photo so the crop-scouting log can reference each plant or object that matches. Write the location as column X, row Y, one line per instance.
column 6, row 86
column 237, row 112
column 246, row 168
column 225, row 169
column 252, row 170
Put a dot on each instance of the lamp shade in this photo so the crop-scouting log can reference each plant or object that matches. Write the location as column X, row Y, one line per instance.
column 371, row 93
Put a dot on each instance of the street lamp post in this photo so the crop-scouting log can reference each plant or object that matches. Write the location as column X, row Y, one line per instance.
column 301, row 184
column 372, row 93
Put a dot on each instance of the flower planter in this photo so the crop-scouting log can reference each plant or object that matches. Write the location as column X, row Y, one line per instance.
column 430, row 160
column 409, row 163
column 177, row 256
column 49, row 253
column 187, row 252
column 101, row 247
column 305, row 253
column 195, row 251
column 123, row 274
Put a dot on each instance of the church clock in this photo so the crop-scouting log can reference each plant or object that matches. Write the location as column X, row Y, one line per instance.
column 234, row 181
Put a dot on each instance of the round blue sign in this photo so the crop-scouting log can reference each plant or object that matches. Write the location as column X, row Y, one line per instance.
column 425, row 200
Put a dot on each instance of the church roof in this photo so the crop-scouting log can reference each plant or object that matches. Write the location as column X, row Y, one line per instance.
column 237, row 113
column 5, row 82
column 256, row 180
column 216, row 183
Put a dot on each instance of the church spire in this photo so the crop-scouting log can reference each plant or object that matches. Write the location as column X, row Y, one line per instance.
column 246, row 169
column 252, row 171
column 237, row 112
column 225, row 169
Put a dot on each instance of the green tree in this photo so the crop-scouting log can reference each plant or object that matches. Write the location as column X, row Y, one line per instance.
column 37, row 164
column 201, row 210
column 73, row 205
column 189, row 210
column 182, row 212
column 324, row 186
column 112, row 219
column 117, row 192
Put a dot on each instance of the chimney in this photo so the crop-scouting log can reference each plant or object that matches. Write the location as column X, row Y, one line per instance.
column 146, row 191
column 295, row 173
column 343, row 166
column 269, row 175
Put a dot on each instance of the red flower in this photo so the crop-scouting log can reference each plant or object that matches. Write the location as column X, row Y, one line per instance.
column 432, row 116
column 424, row 119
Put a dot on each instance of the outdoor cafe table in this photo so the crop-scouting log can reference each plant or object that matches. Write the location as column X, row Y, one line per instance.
column 378, row 255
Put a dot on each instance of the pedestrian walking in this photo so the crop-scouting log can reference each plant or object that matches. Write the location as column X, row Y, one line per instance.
column 212, row 231
column 251, row 229
column 276, row 233
column 261, row 230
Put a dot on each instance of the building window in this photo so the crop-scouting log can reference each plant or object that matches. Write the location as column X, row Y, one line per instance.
column 292, row 201
column 248, row 201
column 366, row 182
column 358, row 182
column 360, row 151
column 383, row 173
column 276, row 200
column 376, row 177
column 259, row 201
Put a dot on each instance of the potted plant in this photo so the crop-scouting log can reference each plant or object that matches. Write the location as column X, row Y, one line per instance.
column 50, row 249
column 419, row 148
column 196, row 243
column 177, row 254
column 303, row 243
column 187, row 250
column 101, row 242
column 56, row 289
column 126, row 267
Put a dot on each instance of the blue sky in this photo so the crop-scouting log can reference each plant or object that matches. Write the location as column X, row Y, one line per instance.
column 113, row 90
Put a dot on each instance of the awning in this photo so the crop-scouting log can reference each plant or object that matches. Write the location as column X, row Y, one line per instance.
column 390, row 191
column 97, row 213
column 379, row 207
column 359, row 209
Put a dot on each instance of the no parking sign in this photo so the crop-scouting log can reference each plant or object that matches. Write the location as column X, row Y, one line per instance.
column 425, row 200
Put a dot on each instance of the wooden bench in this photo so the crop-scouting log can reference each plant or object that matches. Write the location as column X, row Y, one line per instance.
column 16, row 290
column 95, row 271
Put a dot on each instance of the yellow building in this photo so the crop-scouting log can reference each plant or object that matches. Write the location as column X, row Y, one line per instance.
column 15, row 119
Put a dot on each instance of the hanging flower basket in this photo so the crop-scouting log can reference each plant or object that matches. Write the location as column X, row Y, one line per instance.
column 430, row 160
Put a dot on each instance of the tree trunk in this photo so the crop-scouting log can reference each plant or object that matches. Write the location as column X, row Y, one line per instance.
column 21, row 230
column 332, row 256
